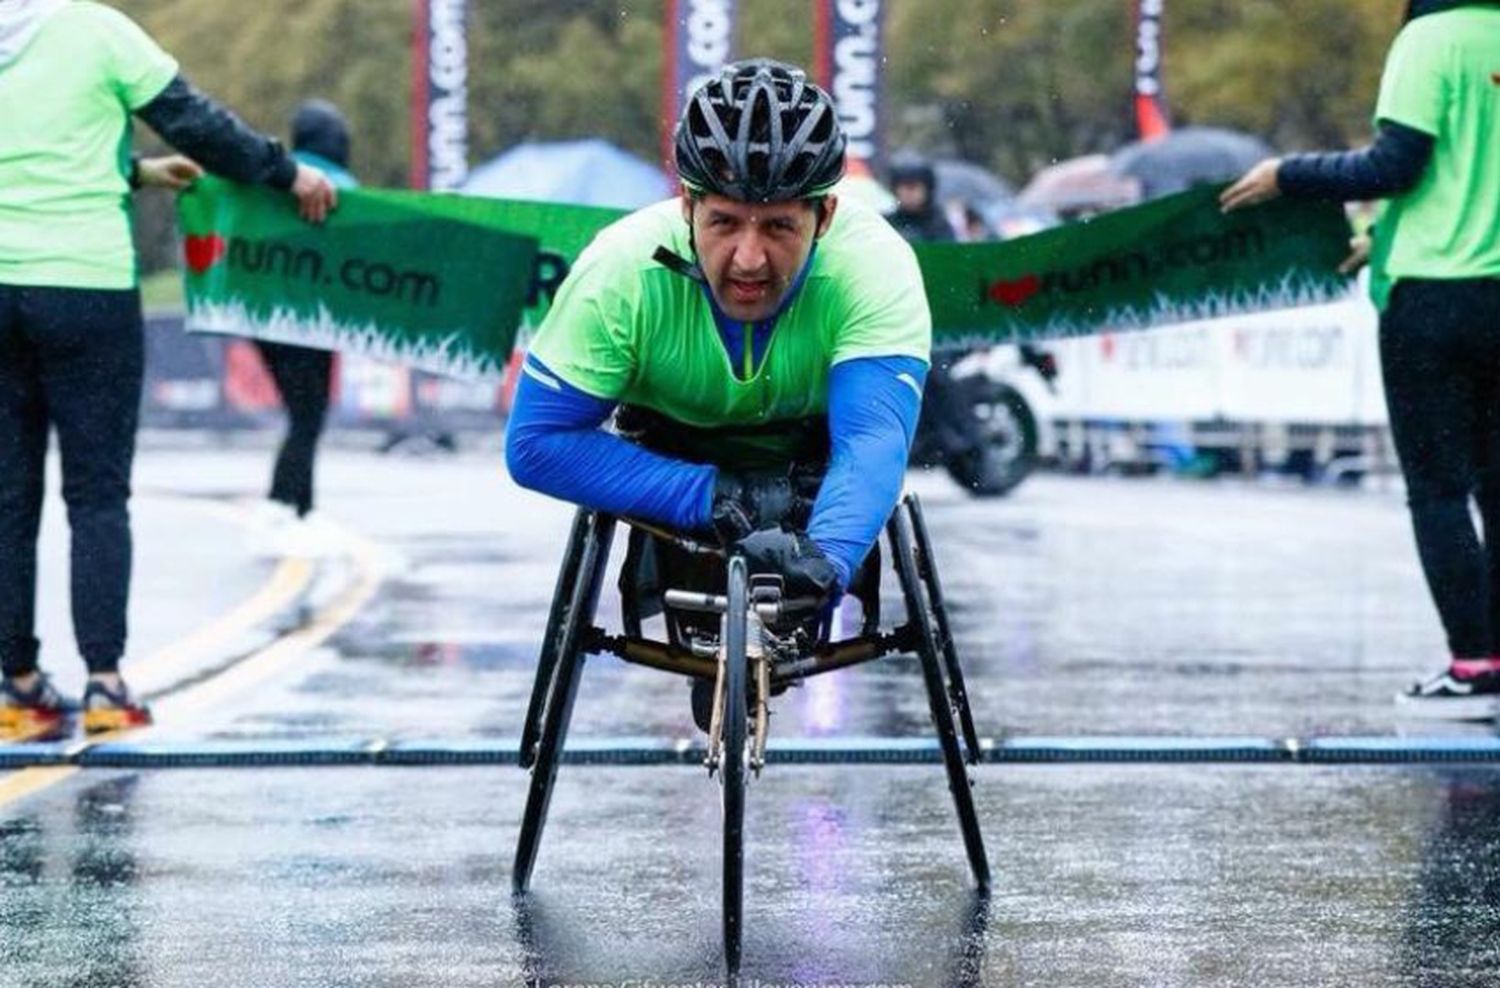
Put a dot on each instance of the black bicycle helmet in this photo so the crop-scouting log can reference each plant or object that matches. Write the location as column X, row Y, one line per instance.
column 760, row 132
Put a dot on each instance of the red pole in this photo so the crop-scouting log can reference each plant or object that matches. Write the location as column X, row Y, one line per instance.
column 1150, row 101
column 823, row 44
column 669, row 94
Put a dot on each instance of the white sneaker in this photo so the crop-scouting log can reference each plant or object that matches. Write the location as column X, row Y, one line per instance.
column 1447, row 697
column 268, row 520
column 269, row 515
column 308, row 537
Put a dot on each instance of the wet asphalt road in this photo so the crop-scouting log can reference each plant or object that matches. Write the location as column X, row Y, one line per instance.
column 1082, row 607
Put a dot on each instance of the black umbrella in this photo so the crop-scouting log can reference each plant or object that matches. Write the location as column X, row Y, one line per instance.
column 1186, row 157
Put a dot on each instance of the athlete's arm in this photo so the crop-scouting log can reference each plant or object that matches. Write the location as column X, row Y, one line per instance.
column 1390, row 166
column 873, row 404
column 216, row 138
column 554, row 445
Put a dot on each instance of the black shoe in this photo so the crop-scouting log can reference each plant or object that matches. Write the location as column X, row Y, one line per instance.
column 703, row 703
column 1449, row 697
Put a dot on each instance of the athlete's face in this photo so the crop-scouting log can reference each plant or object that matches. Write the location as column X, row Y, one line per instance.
column 751, row 254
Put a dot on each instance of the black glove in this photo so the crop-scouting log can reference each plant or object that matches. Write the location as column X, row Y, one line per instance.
column 806, row 573
column 744, row 502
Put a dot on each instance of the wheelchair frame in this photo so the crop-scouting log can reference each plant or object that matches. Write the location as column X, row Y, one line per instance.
column 746, row 611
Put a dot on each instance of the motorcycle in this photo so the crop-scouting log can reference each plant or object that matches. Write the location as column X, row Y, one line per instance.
column 979, row 428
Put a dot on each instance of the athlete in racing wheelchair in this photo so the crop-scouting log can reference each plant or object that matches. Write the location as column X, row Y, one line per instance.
column 760, row 349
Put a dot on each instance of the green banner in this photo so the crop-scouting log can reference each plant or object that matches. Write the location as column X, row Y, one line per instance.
column 437, row 282
column 1169, row 260
column 443, row 282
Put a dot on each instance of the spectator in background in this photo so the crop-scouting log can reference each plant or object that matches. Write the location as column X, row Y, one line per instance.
column 1436, row 158
column 72, row 74
column 917, row 217
column 304, row 376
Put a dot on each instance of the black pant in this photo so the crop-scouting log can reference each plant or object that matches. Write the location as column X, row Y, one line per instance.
column 70, row 359
column 303, row 376
column 1440, row 354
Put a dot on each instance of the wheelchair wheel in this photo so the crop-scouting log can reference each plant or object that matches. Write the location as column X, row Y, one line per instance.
column 593, row 558
column 546, row 664
column 920, row 618
column 733, row 770
column 958, row 693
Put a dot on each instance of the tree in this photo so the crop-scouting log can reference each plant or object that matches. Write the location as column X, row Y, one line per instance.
column 1013, row 85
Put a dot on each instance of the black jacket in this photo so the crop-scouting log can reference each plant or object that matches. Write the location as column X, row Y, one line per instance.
column 217, row 139
column 928, row 226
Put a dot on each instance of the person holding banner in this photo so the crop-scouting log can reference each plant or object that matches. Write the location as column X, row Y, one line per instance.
column 1437, row 160
column 304, row 375
column 764, row 342
column 72, row 75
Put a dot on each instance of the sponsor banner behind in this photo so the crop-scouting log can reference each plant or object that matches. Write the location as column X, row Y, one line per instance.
column 1316, row 364
column 1150, row 101
column 849, row 62
column 197, row 381
column 698, row 41
column 440, row 94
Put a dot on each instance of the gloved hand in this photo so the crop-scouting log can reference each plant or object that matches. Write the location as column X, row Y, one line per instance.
column 806, row 573
column 744, row 502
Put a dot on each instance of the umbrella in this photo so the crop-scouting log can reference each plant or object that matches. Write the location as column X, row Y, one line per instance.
column 1188, row 157
column 585, row 173
column 969, row 183
column 1080, row 185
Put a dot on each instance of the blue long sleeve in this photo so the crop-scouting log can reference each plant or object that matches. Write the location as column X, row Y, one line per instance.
column 873, row 403
column 554, row 444
column 1388, row 167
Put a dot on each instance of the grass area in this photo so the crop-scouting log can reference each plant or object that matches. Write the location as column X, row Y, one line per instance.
column 162, row 291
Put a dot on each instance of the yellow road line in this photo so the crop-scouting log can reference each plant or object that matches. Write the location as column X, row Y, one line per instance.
column 275, row 658
column 256, row 668
column 30, row 780
column 288, row 581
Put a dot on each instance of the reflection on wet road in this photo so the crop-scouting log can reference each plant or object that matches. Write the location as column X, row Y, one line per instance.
column 1082, row 607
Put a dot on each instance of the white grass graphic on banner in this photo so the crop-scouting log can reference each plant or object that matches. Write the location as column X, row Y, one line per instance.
column 1294, row 292
column 450, row 355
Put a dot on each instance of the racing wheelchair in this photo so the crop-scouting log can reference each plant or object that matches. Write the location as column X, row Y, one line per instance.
column 739, row 633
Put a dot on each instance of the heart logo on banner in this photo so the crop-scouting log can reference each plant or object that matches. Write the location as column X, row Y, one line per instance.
column 1015, row 292
column 203, row 253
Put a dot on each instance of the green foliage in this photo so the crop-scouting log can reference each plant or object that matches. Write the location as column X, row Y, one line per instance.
column 1011, row 84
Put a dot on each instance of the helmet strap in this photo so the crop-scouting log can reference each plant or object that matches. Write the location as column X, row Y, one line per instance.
column 675, row 262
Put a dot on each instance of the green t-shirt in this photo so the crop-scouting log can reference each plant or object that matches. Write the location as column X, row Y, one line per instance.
column 65, row 105
column 625, row 328
column 1442, row 77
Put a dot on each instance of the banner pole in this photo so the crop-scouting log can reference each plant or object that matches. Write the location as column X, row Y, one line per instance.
column 1152, row 121
column 420, row 96
column 670, row 28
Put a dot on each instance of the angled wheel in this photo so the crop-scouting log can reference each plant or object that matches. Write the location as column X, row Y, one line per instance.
column 592, row 561
column 958, row 693
column 900, row 532
column 562, row 594
column 733, row 770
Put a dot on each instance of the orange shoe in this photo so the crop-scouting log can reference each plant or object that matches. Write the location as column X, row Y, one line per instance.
column 106, row 710
column 36, row 714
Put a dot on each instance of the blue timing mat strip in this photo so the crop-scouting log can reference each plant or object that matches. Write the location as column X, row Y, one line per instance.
column 272, row 752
